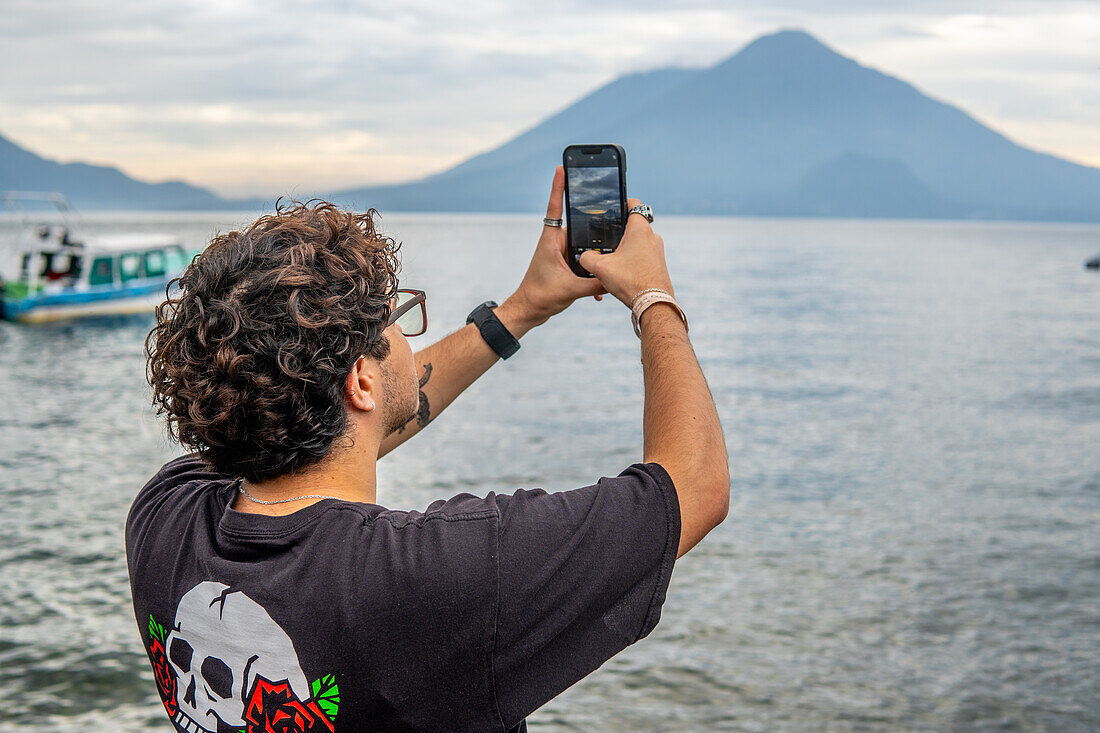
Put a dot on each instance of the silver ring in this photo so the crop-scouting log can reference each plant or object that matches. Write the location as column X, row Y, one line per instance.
column 551, row 222
column 644, row 210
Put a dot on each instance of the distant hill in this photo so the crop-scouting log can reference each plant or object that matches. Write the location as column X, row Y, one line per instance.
column 95, row 186
column 856, row 186
column 785, row 127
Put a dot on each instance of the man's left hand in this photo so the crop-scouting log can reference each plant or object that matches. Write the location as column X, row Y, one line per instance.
column 549, row 287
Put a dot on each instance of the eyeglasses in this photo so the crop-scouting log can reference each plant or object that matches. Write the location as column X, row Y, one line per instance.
column 411, row 312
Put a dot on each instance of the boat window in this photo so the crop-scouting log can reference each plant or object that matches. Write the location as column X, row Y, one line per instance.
column 47, row 264
column 154, row 263
column 129, row 266
column 102, row 272
column 175, row 259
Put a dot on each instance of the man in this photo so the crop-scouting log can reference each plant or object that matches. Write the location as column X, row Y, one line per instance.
column 271, row 589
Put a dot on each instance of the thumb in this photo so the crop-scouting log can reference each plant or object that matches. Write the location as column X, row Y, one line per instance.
column 589, row 260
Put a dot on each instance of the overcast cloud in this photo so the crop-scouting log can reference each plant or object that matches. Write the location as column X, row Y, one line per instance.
column 268, row 97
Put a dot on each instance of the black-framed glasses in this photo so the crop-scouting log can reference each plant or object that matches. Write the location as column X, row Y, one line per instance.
column 411, row 312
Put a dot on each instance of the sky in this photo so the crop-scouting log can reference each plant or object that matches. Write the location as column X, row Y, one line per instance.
column 263, row 97
column 594, row 190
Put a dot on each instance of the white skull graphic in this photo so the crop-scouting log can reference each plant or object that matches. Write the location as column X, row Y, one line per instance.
column 220, row 642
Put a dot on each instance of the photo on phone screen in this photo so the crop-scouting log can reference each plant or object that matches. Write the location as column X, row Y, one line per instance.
column 595, row 211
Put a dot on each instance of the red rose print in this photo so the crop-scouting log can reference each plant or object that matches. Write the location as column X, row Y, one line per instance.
column 164, row 675
column 274, row 708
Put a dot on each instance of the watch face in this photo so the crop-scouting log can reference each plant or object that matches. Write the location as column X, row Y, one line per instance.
column 490, row 304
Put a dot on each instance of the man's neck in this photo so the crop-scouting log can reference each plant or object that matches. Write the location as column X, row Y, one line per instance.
column 348, row 475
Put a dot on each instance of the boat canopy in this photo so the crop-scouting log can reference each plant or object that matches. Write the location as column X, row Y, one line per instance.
column 125, row 242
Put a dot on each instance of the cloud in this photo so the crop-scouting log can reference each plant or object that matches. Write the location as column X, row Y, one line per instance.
column 257, row 97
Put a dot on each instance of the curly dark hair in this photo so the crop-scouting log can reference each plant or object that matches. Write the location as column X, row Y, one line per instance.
column 248, row 358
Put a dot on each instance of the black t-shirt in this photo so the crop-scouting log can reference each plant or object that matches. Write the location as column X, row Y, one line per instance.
column 348, row 616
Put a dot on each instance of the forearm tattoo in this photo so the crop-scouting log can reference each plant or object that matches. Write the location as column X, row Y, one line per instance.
column 424, row 412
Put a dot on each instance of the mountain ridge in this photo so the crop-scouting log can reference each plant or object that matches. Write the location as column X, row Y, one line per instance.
column 95, row 186
column 738, row 138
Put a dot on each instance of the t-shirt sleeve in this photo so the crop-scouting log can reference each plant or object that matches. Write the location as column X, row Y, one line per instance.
column 172, row 475
column 582, row 575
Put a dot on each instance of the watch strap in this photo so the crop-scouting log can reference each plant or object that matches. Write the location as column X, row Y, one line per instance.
column 499, row 338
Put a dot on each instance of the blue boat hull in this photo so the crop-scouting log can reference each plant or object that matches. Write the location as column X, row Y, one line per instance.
column 104, row 301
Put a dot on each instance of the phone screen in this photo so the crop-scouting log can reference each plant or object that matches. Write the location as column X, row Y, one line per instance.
column 595, row 211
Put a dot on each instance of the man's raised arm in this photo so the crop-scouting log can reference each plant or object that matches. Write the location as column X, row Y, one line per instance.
column 681, row 429
column 450, row 365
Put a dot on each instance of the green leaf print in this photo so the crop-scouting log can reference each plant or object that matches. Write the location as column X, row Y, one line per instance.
column 156, row 630
column 327, row 694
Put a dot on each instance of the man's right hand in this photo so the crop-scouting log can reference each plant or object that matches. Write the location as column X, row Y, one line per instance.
column 636, row 264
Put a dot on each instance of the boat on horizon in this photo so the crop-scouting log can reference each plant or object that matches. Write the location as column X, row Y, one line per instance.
column 63, row 274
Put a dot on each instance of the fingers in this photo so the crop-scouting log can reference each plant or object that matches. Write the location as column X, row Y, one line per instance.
column 635, row 221
column 557, row 192
column 594, row 288
column 588, row 260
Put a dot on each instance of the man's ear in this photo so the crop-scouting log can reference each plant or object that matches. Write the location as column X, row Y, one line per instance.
column 362, row 383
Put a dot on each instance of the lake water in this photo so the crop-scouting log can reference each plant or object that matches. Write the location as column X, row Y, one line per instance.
column 912, row 411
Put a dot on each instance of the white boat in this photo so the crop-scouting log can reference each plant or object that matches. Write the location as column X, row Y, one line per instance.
column 64, row 275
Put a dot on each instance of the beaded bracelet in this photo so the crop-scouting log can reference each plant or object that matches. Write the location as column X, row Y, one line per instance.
column 647, row 298
column 642, row 292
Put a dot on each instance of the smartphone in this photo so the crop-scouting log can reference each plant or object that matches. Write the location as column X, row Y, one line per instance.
column 595, row 200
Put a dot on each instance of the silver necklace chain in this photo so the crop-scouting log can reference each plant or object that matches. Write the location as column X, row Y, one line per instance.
column 240, row 488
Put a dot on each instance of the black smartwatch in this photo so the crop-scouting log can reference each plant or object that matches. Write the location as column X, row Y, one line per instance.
column 492, row 330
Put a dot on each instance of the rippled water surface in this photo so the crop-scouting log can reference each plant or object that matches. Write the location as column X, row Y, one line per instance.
column 912, row 412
